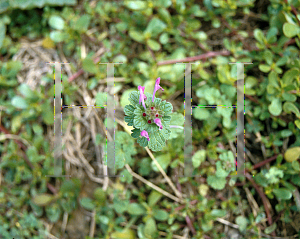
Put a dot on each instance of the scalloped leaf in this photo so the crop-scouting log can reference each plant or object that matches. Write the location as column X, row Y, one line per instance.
column 157, row 101
column 134, row 98
column 136, row 133
column 166, row 119
column 129, row 120
column 143, row 142
column 129, row 110
column 139, row 122
column 167, row 107
column 157, row 137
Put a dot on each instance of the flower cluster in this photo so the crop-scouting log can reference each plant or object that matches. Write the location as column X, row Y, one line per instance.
column 150, row 117
column 152, row 114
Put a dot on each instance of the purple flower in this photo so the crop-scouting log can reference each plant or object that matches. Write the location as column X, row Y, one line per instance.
column 156, row 87
column 157, row 121
column 144, row 133
column 142, row 95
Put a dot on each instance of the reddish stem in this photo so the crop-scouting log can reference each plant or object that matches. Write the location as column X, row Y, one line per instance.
column 195, row 58
column 81, row 71
column 190, row 225
column 263, row 198
column 260, row 164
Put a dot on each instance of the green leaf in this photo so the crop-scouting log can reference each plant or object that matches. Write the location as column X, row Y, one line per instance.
column 155, row 27
column 177, row 119
column 275, row 108
column 57, row 36
column 53, row 213
column 242, row 222
column 150, row 228
column 89, row 66
column 125, row 234
column 101, row 99
column 136, row 209
column 16, row 123
column 2, row 33
column 167, row 107
column 56, row 22
column 19, row 102
column 136, row 5
column 271, row 228
column 153, row 198
column 264, row 68
column 154, row 45
column 297, row 123
column 136, row 133
column 200, row 113
column 139, row 122
column 119, row 205
column 47, row 113
column 218, row 213
column 273, row 175
column 160, row 215
column 83, row 23
column 42, row 199
column 100, row 195
column 25, row 90
column 216, row 182
column 143, row 142
column 289, row 97
column 125, row 97
column 198, row 158
column 290, row 30
column 87, row 203
column 292, row 154
column 134, row 98
column 221, row 172
column 137, row 36
column 282, row 193
column 289, row 107
column 289, row 76
column 129, row 120
column 163, row 160
column 164, row 38
column 259, row 35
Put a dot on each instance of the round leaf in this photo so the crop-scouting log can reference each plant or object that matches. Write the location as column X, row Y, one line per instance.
column 282, row 193
column 56, row 22
column 275, row 107
column 292, row 154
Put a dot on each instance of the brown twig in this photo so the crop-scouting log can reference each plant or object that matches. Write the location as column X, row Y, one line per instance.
column 195, row 58
column 263, row 198
column 190, row 225
column 258, row 165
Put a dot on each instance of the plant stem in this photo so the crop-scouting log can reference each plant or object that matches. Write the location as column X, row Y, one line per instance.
column 176, row 126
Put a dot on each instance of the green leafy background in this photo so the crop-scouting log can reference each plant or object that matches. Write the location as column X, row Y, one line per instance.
column 143, row 35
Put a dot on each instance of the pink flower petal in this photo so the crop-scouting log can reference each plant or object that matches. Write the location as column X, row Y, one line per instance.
column 156, row 88
column 144, row 133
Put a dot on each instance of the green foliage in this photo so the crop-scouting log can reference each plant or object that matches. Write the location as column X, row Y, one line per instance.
column 140, row 34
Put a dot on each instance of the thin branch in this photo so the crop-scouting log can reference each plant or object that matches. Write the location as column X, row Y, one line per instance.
column 264, row 199
column 195, row 58
column 260, row 164
column 153, row 186
column 178, row 194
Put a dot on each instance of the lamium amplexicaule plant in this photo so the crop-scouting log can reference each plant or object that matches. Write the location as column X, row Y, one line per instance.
column 150, row 117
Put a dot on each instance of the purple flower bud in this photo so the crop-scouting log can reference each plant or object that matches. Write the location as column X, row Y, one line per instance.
column 157, row 121
column 142, row 95
column 144, row 133
column 156, row 87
